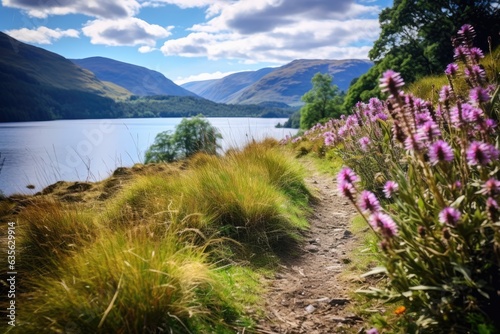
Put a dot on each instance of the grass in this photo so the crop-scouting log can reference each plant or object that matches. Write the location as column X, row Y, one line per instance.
column 178, row 252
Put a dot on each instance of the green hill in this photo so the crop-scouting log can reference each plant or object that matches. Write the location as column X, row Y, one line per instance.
column 36, row 84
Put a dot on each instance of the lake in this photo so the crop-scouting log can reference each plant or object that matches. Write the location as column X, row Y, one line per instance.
column 41, row 153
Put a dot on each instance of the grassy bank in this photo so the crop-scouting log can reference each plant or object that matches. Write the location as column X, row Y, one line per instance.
column 161, row 248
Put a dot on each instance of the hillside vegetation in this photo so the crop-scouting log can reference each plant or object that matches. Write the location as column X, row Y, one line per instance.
column 177, row 248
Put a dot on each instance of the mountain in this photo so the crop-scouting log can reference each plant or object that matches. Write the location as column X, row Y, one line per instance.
column 284, row 84
column 139, row 80
column 222, row 90
column 37, row 84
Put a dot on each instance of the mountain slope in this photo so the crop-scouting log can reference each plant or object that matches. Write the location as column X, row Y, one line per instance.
column 222, row 90
column 37, row 84
column 288, row 83
column 137, row 79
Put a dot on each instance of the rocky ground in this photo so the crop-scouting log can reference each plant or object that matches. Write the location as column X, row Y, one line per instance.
column 307, row 295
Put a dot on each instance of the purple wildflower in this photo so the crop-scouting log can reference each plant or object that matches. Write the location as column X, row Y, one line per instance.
column 390, row 188
column 451, row 69
column 347, row 175
column 491, row 187
column 391, row 81
column 364, row 142
column 476, row 54
column 428, row 131
column 372, row 331
column 467, row 31
column 414, row 142
column 480, row 153
column 445, row 93
column 369, row 202
column 461, row 52
column 492, row 209
column 329, row 138
column 440, row 151
column 384, row 223
column 449, row 216
column 478, row 95
column 475, row 72
column 347, row 190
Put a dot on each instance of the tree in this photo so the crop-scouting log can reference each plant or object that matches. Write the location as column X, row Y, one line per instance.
column 322, row 101
column 191, row 136
column 416, row 39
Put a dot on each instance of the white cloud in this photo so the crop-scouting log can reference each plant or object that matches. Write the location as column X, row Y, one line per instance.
column 110, row 9
column 203, row 76
column 42, row 35
column 146, row 49
column 129, row 31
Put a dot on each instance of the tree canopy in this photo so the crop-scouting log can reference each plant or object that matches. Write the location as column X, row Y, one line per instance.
column 322, row 101
column 416, row 39
column 192, row 135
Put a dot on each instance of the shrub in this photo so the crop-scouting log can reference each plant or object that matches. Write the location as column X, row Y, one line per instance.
column 191, row 136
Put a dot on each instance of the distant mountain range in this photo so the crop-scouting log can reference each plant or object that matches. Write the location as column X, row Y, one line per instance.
column 137, row 79
column 36, row 84
column 285, row 84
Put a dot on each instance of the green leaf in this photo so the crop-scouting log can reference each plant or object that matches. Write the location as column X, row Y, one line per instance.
column 425, row 287
column 375, row 271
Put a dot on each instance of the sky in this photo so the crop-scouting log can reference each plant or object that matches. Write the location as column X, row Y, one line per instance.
column 191, row 40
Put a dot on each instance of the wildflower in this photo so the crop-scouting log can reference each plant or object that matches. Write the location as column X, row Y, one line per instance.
column 478, row 95
column 329, row 138
column 364, row 142
column 460, row 52
column 347, row 175
column 449, row 216
column 384, row 223
column 347, row 190
column 390, row 188
column 480, row 153
column 400, row 310
column 390, row 82
column 491, row 187
column 467, row 32
column 445, row 93
column 451, row 69
column 414, row 142
column 428, row 131
column 369, row 202
column 475, row 72
column 476, row 54
column 492, row 209
column 440, row 151
column 372, row 331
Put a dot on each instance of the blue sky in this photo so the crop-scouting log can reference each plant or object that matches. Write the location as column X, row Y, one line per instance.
column 190, row 40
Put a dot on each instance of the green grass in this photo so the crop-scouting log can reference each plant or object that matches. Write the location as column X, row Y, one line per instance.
column 180, row 252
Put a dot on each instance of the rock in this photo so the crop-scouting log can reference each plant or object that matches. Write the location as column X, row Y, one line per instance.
column 310, row 308
column 311, row 248
column 347, row 234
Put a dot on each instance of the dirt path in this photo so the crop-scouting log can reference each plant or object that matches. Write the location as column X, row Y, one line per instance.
column 306, row 296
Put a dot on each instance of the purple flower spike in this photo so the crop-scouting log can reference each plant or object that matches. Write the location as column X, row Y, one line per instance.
column 479, row 95
column 369, row 202
column 347, row 175
column 440, row 151
column 364, row 143
column 390, row 188
column 467, row 31
column 391, row 81
column 347, row 190
column 480, row 153
column 372, row 331
column 491, row 187
column 384, row 223
column 451, row 69
column 449, row 216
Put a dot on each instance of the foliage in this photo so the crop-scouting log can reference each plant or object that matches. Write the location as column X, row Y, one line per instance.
column 321, row 102
column 415, row 39
column 430, row 173
column 191, row 136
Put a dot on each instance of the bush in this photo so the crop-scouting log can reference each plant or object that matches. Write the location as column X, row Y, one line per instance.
column 191, row 136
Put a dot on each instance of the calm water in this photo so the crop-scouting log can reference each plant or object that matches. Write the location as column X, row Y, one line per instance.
column 41, row 153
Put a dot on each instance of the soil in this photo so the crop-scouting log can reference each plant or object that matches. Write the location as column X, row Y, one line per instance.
column 308, row 295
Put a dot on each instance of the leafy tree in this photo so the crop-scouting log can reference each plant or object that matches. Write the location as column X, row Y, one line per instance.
column 322, row 101
column 196, row 135
column 416, row 39
column 191, row 136
column 163, row 148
